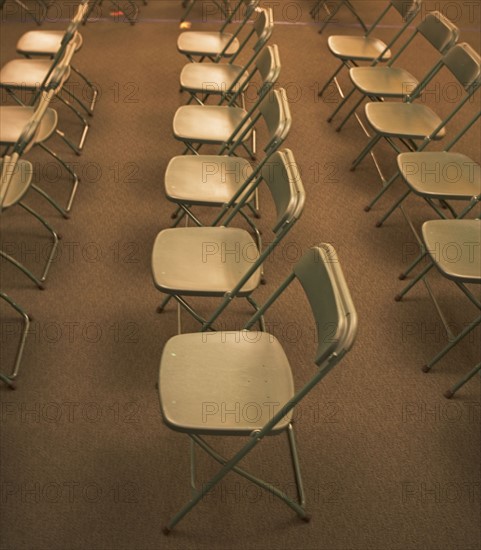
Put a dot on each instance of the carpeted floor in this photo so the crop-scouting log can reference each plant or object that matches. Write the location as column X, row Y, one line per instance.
column 86, row 462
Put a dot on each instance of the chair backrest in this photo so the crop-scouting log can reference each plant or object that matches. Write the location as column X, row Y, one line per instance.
column 262, row 28
column 281, row 176
column 437, row 29
column 320, row 275
column 268, row 66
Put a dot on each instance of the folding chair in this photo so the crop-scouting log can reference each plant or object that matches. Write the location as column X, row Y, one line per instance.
column 38, row 12
column 197, row 125
column 439, row 176
column 15, row 183
column 15, row 120
column 9, row 379
column 410, row 121
column 223, row 261
column 201, row 371
column 438, row 237
column 224, row 79
column 332, row 13
column 34, row 75
column 391, row 81
column 220, row 180
column 46, row 43
column 351, row 50
column 215, row 45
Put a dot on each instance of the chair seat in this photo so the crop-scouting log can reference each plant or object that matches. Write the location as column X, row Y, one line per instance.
column 206, row 43
column 407, row 120
column 224, row 382
column 441, row 175
column 13, row 120
column 205, row 179
column 18, row 185
column 203, row 261
column 455, row 246
column 383, row 81
column 44, row 43
column 357, row 47
column 213, row 78
column 207, row 123
column 24, row 73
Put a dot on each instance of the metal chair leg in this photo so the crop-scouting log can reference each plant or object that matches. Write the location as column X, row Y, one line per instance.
column 451, row 392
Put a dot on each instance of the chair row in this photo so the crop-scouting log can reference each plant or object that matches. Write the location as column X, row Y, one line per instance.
column 32, row 82
column 410, row 123
column 224, row 261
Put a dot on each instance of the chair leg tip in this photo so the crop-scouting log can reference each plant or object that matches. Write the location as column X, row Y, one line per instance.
column 398, row 298
column 166, row 531
column 352, row 168
column 367, row 209
column 448, row 394
column 378, row 224
column 402, row 277
column 263, row 281
column 41, row 286
column 425, row 368
column 306, row 518
column 159, row 309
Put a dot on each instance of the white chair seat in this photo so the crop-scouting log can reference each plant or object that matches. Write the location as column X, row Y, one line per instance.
column 441, row 175
column 207, row 123
column 206, row 43
column 210, row 77
column 383, row 81
column 204, row 377
column 410, row 120
column 218, row 256
column 204, row 179
column 357, row 47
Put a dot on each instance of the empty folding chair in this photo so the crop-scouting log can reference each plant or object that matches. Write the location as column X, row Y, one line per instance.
column 201, row 372
column 412, row 121
column 197, row 125
column 198, row 261
column 219, row 180
column 9, row 379
column 439, row 176
column 215, row 45
column 351, row 50
column 225, row 79
column 15, row 120
column 36, row 75
column 331, row 13
column 47, row 43
column 15, row 184
column 391, row 81
column 440, row 238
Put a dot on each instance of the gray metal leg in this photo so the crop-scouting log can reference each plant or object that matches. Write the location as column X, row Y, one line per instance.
column 450, row 393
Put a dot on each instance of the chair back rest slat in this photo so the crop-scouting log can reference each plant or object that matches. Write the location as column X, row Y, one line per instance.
column 322, row 279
